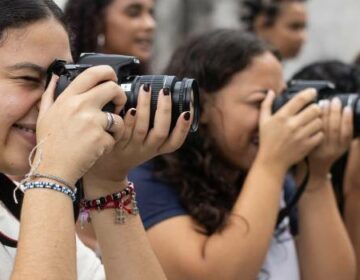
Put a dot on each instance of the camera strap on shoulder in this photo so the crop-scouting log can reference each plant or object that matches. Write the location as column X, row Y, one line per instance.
column 294, row 200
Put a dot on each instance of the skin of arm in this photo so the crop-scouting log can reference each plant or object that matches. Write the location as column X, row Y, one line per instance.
column 325, row 251
column 47, row 234
column 238, row 251
column 352, row 199
column 125, row 249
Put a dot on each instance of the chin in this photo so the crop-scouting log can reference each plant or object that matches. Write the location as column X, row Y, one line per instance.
column 17, row 168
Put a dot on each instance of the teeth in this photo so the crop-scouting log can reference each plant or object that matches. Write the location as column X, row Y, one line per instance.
column 25, row 128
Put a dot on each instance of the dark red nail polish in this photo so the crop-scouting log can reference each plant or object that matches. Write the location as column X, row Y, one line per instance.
column 146, row 87
column 166, row 91
column 187, row 116
column 133, row 112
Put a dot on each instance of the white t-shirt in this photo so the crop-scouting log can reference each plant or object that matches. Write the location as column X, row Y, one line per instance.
column 88, row 264
column 281, row 262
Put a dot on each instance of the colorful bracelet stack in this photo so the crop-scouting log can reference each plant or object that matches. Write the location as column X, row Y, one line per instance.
column 123, row 202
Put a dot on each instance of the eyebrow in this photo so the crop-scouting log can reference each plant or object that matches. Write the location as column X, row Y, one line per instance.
column 29, row 66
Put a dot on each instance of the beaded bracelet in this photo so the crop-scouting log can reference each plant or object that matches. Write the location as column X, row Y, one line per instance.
column 51, row 186
column 51, row 177
column 123, row 202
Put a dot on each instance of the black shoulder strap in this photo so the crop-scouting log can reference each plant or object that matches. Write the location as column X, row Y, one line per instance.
column 7, row 188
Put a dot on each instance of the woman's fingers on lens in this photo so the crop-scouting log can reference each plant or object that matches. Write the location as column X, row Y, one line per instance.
column 129, row 123
column 325, row 114
column 114, row 125
column 47, row 98
column 162, row 120
column 143, row 114
column 347, row 127
column 297, row 103
column 104, row 93
column 90, row 78
column 315, row 140
column 178, row 134
column 310, row 113
column 335, row 121
column 312, row 128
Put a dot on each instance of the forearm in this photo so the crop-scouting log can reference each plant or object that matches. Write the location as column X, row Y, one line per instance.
column 125, row 249
column 324, row 248
column 352, row 222
column 242, row 246
column 46, row 248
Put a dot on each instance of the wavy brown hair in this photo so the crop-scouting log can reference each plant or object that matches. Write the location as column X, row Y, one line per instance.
column 251, row 9
column 206, row 184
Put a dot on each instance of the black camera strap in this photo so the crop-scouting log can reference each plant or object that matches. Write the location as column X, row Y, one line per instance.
column 294, row 200
column 7, row 188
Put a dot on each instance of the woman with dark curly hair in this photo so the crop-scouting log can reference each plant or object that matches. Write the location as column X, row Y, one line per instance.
column 211, row 208
column 112, row 26
column 282, row 23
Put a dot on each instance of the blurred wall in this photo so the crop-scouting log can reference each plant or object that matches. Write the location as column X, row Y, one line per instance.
column 334, row 32
column 333, row 29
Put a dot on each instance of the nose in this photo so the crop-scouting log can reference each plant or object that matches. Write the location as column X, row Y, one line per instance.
column 149, row 22
column 302, row 36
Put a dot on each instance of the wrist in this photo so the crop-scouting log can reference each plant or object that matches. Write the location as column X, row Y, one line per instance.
column 272, row 168
column 95, row 187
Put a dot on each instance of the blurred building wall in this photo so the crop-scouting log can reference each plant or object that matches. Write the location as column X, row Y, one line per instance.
column 333, row 30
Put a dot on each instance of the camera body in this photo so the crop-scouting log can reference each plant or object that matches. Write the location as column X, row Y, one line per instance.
column 184, row 93
column 325, row 90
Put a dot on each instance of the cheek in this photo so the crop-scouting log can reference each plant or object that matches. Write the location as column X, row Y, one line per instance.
column 240, row 126
column 14, row 105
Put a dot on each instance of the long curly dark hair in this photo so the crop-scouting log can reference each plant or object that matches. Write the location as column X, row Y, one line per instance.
column 206, row 184
column 251, row 9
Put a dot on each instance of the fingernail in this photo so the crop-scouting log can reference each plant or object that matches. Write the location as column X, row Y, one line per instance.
column 336, row 101
column 166, row 91
column 348, row 109
column 324, row 103
column 187, row 116
column 146, row 87
column 133, row 112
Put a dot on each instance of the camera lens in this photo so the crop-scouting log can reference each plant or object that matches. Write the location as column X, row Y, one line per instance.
column 184, row 96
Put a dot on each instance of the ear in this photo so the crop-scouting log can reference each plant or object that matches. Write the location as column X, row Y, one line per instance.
column 260, row 26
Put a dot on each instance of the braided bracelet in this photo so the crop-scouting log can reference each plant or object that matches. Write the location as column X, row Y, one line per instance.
column 123, row 202
column 51, row 186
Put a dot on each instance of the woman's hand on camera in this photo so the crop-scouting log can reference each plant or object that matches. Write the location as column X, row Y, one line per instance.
column 139, row 142
column 287, row 136
column 71, row 131
column 338, row 131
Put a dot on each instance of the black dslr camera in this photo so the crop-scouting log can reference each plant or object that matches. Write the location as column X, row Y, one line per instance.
column 326, row 90
column 184, row 93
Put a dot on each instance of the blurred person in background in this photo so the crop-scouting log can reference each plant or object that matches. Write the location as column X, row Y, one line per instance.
column 113, row 26
column 214, row 215
column 282, row 23
column 345, row 174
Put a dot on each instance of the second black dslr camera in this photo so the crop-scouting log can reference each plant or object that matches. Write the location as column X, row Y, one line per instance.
column 184, row 93
column 326, row 90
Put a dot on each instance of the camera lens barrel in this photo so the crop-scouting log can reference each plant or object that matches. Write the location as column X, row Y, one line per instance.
column 184, row 95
